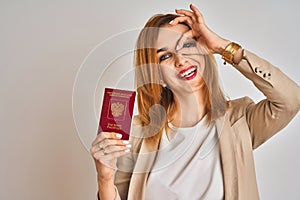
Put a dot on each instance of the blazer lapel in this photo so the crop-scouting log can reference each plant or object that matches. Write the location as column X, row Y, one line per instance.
column 143, row 166
column 227, row 151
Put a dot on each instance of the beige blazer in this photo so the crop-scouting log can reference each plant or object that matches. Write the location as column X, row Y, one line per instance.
column 244, row 127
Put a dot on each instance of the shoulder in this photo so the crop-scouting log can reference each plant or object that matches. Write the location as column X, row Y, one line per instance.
column 237, row 108
column 239, row 103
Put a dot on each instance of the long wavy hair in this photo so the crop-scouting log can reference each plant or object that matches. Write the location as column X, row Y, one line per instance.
column 156, row 103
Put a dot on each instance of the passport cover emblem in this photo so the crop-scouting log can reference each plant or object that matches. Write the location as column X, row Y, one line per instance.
column 117, row 109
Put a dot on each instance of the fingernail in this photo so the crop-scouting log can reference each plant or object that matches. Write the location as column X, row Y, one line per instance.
column 118, row 135
column 127, row 150
column 128, row 145
column 125, row 142
column 171, row 21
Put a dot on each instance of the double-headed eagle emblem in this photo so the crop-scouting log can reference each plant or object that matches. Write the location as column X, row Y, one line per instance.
column 117, row 109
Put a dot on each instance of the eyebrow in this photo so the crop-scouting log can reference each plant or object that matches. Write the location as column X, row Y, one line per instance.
column 162, row 49
column 165, row 48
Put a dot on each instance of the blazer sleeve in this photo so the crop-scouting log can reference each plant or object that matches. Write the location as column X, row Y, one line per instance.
column 282, row 98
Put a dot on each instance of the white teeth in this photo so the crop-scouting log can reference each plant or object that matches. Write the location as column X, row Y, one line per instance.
column 188, row 72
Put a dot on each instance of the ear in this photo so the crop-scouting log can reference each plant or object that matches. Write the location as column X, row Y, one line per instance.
column 162, row 83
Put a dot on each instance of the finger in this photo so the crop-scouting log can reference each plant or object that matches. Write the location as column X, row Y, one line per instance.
column 109, row 159
column 103, row 135
column 197, row 12
column 186, row 36
column 186, row 13
column 112, row 149
column 99, row 155
column 189, row 34
column 111, row 142
column 108, row 142
column 113, row 153
column 181, row 19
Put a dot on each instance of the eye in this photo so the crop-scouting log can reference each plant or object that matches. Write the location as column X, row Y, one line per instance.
column 189, row 44
column 165, row 57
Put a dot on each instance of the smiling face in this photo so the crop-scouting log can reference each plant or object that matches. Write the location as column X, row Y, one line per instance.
column 181, row 59
column 154, row 62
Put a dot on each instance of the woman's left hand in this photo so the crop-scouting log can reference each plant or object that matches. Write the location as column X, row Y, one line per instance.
column 199, row 30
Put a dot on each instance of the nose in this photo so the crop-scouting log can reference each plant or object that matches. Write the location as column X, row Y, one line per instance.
column 180, row 60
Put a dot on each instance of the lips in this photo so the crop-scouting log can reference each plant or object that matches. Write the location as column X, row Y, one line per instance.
column 188, row 73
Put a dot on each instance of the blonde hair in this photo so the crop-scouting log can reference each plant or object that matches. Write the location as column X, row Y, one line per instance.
column 155, row 102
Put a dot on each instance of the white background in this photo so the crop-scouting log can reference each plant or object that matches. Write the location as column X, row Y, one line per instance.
column 45, row 45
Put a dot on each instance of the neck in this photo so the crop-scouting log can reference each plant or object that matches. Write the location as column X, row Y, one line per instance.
column 190, row 109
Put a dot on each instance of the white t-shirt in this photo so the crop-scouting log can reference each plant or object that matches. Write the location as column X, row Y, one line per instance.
column 188, row 166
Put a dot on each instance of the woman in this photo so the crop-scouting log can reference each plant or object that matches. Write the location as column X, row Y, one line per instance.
column 188, row 141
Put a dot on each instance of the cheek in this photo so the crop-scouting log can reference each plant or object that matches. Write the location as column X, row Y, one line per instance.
column 166, row 71
column 165, row 68
column 199, row 61
column 169, row 76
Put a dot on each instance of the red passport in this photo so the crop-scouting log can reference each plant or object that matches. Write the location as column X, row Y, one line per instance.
column 116, row 113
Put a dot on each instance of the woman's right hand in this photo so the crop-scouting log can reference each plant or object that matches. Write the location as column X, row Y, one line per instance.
column 212, row 42
column 106, row 148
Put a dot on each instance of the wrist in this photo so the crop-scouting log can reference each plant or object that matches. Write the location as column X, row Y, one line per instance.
column 104, row 180
column 238, row 56
column 222, row 45
column 106, row 189
column 232, row 53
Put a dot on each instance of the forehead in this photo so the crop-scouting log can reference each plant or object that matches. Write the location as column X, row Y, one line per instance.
column 168, row 35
